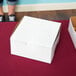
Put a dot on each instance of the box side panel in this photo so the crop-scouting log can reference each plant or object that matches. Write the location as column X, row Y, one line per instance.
column 54, row 46
column 31, row 51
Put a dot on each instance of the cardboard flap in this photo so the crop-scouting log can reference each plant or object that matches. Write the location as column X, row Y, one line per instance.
column 73, row 19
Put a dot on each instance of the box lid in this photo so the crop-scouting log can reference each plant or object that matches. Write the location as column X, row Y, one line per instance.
column 36, row 31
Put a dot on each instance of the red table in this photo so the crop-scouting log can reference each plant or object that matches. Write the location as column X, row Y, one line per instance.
column 64, row 62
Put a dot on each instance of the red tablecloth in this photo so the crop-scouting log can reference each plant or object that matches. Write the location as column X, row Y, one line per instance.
column 64, row 62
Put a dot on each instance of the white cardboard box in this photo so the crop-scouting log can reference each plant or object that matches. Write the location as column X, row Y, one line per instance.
column 35, row 38
column 71, row 29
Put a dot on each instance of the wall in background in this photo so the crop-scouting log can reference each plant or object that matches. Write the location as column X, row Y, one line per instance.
column 42, row 5
column 23, row 2
column 43, row 1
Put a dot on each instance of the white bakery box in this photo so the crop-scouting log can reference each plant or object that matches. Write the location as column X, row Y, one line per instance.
column 72, row 29
column 35, row 39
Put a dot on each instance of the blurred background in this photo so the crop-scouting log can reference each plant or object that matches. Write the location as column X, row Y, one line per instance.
column 45, row 9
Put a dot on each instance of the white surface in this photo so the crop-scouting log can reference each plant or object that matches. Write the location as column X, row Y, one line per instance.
column 72, row 33
column 35, row 38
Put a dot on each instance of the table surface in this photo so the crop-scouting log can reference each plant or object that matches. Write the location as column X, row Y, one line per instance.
column 63, row 64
